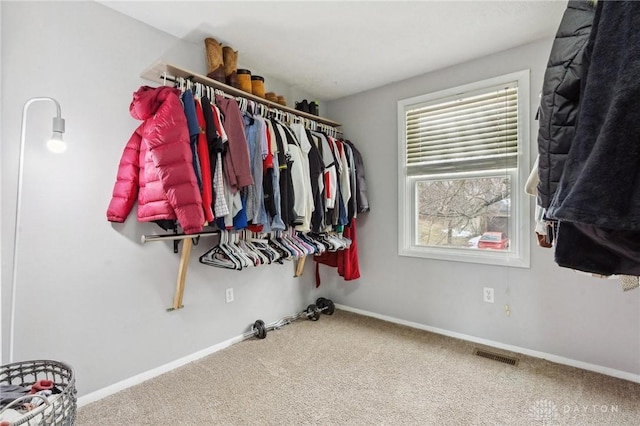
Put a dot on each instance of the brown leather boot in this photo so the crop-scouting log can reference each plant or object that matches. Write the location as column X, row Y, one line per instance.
column 230, row 65
column 214, row 59
column 271, row 96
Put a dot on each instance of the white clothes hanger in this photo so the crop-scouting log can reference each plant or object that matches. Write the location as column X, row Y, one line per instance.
column 252, row 251
column 262, row 244
column 242, row 256
column 219, row 256
column 283, row 252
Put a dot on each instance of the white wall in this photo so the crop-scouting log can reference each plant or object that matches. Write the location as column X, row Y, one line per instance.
column 553, row 310
column 89, row 293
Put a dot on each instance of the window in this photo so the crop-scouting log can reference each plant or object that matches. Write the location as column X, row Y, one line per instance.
column 463, row 160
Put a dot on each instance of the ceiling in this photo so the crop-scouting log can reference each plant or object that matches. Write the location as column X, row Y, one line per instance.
column 332, row 49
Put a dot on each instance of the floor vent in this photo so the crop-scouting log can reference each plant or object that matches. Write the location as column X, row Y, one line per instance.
column 496, row 357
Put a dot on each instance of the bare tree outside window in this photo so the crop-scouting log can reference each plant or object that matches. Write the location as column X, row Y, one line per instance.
column 457, row 212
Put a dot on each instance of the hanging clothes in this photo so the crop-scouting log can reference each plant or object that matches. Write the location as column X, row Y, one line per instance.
column 205, row 164
column 234, row 202
column 339, row 213
column 268, row 182
column 284, row 164
column 352, row 207
column 598, row 198
column 330, row 181
column 308, row 204
column 299, row 176
column 188, row 103
column 345, row 173
column 316, row 175
column 362, row 198
column 560, row 97
column 236, row 159
column 241, row 171
column 344, row 189
column 213, row 131
column 221, row 207
column 251, row 134
column 216, row 138
column 256, row 131
column 157, row 164
column 346, row 261
column 276, row 223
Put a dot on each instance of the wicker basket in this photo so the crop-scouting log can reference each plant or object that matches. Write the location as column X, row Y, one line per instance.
column 59, row 409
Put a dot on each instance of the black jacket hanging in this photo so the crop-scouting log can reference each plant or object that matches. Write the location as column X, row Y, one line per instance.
column 316, row 171
column 560, row 96
column 362, row 198
column 214, row 141
column 286, row 185
column 598, row 199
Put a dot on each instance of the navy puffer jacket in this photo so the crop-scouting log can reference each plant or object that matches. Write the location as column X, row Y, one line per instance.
column 561, row 95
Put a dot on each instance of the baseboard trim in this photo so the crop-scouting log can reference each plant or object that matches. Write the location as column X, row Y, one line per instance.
column 142, row 377
column 536, row 354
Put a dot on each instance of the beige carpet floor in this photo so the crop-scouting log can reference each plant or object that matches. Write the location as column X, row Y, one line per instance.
column 348, row 369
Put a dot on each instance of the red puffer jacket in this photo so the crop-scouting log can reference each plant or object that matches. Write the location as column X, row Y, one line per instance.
column 156, row 164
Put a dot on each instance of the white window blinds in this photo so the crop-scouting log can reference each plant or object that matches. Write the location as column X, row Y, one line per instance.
column 474, row 132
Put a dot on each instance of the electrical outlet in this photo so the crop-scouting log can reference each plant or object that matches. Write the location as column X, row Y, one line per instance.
column 487, row 293
column 229, row 295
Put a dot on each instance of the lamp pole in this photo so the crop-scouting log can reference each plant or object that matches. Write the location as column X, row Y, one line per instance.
column 55, row 145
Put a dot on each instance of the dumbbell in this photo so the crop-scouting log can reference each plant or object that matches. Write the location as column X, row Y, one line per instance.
column 258, row 330
column 312, row 312
column 325, row 306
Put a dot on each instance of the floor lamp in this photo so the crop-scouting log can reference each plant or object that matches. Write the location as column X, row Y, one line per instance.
column 55, row 144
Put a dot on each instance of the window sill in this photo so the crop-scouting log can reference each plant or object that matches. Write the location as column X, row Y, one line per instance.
column 486, row 257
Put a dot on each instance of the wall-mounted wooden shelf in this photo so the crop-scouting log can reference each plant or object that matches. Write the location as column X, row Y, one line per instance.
column 155, row 73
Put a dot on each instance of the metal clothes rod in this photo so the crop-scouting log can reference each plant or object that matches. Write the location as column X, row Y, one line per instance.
column 167, row 237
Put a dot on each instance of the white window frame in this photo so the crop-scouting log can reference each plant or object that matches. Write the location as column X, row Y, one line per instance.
column 519, row 253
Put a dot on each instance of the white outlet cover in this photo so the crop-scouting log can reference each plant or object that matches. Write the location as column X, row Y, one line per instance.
column 487, row 293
